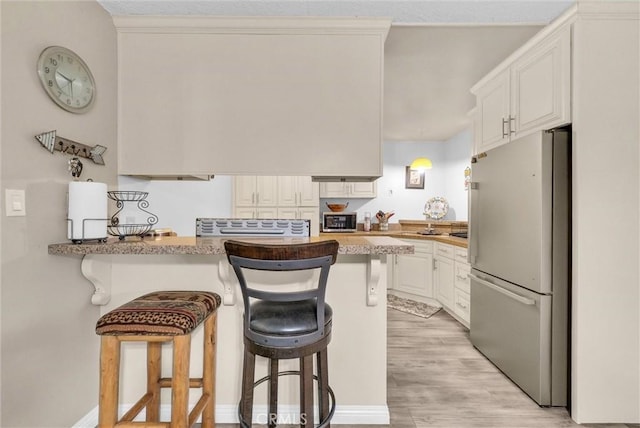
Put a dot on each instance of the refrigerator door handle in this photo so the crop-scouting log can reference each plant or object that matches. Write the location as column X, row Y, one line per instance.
column 514, row 296
column 472, row 252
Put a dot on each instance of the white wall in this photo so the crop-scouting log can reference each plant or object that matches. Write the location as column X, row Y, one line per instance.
column 49, row 347
column 178, row 203
column 446, row 178
column 606, row 222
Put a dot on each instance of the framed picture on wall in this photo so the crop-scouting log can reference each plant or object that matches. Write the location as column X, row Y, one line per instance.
column 414, row 179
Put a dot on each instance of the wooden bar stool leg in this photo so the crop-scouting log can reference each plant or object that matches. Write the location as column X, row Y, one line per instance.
column 306, row 391
column 323, row 384
column 180, row 381
column 273, row 393
column 209, row 371
column 109, row 381
column 248, row 373
column 154, row 366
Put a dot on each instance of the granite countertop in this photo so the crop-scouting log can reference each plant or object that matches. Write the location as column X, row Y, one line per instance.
column 349, row 244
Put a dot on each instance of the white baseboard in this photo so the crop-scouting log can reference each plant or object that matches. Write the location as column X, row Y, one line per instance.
column 228, row 414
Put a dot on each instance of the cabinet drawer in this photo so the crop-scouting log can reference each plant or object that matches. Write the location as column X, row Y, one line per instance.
column 462, row 279
column 420, row 247
column 443, row 250
column 462, row 307
column 460, row 254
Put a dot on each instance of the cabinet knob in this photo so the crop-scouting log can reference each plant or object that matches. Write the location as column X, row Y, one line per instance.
column 512, row 129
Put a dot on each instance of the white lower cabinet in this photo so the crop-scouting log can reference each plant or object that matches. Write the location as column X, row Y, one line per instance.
column 413, row 273
column 435, row 273
column 290, row 197
column 250, row 212
column 443, row 278
column 302, row 213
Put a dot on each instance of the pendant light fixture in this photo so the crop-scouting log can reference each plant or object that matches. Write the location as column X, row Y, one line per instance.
column 421, row 164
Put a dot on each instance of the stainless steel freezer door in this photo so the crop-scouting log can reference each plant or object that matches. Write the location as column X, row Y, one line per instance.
column 512, row 328
column 511, row 212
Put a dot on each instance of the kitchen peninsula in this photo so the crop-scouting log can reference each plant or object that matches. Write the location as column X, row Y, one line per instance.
column 123, row 270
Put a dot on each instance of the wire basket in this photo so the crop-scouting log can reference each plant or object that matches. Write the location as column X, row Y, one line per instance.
column 123, row 230
column 127, row 195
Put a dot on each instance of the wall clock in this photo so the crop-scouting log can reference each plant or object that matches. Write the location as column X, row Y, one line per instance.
column 66, row 78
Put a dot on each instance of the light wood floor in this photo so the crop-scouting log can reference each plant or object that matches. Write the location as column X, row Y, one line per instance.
column 437, row 379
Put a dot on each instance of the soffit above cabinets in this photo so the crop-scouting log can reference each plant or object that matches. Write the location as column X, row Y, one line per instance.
column 250, row 96
column 435, row 50
column 401, row 12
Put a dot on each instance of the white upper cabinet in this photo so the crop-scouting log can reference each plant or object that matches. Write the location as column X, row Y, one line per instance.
column 297, row 191
column 541, row 86
column 364, row 189
column 493, row 112
column 529, row 92
column 250, row 95
column 254, row 191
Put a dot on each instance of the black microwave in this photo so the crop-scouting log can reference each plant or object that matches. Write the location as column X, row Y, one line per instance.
column 339, row 222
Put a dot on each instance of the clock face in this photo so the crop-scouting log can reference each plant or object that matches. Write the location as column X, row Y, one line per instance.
column 66, row 79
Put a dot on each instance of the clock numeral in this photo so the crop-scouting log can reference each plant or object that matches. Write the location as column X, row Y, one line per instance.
column 70, row 60
column 53, row 62
column 68, row 101
column 50, row 83
column 47, row 70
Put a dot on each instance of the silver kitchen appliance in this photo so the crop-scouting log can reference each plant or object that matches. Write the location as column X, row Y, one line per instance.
column 217, row 227
column 339, row 221
column 519, row 251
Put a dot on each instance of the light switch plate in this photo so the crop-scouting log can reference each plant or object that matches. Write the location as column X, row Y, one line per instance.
column 14, row 202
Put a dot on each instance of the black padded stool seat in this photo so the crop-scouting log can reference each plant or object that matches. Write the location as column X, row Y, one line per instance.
column 286, row 324
column 164, row 316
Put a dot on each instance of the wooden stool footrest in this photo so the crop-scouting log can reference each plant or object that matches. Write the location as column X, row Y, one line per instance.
column 129, row 424
column 198, row 408
column 137, row 408
column 194, row 382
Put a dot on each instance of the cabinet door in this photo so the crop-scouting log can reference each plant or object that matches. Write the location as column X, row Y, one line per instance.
column 493, row 112
column 413, row 274
column 266, row 212
column 540, row 86
column 308, row 192
column 333, row 190
column 313, row 215
column 287, row 213
column 363, row 189
column 266, row 191
column 287, row 191
column 244, row 212
column 244, row 190
column 443, row 276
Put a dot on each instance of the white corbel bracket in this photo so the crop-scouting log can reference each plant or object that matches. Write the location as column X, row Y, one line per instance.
column 98, row 272
column 229, row 285
column 374, row 268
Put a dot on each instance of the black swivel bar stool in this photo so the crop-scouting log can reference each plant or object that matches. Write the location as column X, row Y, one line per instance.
column 285, row 325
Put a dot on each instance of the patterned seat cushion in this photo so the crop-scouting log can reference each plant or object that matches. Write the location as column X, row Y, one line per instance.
column 164, row 313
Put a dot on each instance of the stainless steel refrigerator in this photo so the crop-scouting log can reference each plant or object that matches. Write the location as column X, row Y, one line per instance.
column 519, row 250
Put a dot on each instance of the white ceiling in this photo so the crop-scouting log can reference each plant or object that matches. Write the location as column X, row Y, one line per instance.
column 436, row 49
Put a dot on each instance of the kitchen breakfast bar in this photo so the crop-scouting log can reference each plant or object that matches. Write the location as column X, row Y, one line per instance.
column 121, row 270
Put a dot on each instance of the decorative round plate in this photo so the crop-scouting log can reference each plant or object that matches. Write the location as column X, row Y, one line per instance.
column 436, row 208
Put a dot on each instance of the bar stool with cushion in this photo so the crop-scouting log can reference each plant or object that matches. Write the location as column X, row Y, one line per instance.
column 165, row 316
column 286, row 324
